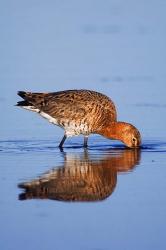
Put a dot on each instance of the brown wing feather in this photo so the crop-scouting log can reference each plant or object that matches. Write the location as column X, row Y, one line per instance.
column 74, row 105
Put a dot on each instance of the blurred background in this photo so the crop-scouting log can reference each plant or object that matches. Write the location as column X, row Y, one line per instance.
column 115, row 47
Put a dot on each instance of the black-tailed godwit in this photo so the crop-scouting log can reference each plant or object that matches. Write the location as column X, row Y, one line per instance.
column 81, row 112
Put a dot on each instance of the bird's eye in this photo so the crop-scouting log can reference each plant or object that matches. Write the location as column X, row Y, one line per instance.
column 134, row 139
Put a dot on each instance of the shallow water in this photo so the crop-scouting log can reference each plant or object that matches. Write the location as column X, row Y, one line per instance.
column 105, row 197
column 82, row 199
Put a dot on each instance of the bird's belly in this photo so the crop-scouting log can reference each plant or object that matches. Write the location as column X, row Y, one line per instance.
column 73, row 128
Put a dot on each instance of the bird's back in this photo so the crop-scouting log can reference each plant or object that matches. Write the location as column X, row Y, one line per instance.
column 84, row 109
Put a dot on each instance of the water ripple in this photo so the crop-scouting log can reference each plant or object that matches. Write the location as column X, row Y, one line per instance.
column 20, row 146
column 154, row 146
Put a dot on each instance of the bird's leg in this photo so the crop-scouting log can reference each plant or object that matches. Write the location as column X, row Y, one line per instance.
column 62, row 141
column 85, row 141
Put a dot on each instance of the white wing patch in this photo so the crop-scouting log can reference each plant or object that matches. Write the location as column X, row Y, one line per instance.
column 31, row 108
column 49, row 118
column 43, row 114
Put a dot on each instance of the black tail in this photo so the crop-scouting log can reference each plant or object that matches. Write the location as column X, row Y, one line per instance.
column 31, row 99
column 22, row 94
column 23, row 103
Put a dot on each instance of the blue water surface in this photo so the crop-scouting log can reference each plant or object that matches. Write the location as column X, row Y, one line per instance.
column 107, row 197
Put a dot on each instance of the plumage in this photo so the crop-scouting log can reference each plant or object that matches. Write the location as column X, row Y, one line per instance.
column 76, row 111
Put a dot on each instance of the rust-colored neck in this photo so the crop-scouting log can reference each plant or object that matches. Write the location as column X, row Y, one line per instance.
column 122, row 131
column 113, row 131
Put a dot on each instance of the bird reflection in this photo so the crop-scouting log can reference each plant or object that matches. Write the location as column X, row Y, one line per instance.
column 83, row 177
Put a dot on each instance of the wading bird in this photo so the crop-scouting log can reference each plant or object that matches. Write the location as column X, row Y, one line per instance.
column 81, row 112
